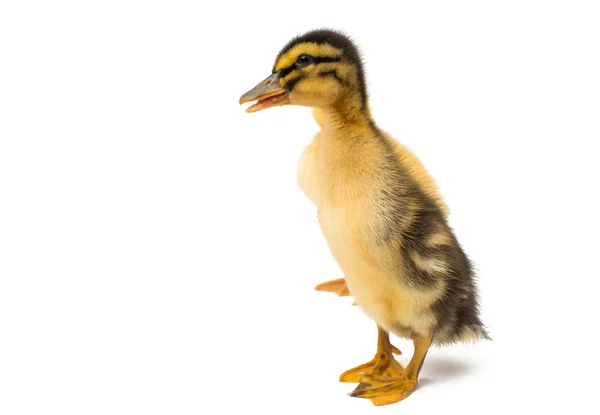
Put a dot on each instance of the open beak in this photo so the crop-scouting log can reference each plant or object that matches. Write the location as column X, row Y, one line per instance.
column 268, row 93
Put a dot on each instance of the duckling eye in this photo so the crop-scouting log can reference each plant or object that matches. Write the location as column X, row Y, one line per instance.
column 304, row 60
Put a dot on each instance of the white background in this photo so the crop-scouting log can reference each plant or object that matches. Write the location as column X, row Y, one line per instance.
column 157, row 257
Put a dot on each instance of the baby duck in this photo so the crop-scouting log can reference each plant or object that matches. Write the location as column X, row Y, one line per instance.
column 380, row 211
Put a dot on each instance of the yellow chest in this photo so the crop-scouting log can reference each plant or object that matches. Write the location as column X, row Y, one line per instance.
column 341, row 187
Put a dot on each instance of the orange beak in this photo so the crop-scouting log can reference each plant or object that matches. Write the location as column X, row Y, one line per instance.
column 268, row 93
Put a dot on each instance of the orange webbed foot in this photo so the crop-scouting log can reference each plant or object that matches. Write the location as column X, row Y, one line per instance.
column 384, row 390
column 383, row 364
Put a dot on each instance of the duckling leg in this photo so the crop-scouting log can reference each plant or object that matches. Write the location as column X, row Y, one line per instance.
column 383, row 390
column 382, row 364
column 338, row 287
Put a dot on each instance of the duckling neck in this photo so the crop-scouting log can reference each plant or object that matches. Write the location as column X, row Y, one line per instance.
column 349, row 113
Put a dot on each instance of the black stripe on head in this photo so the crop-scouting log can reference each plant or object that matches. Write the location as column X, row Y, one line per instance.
column 338, row 40
column 325, row 59
column 283, row 72
column 315, row 60
column 289, row 85
column 332, row 73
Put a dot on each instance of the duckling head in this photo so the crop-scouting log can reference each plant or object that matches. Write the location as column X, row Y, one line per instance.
column 320, row 69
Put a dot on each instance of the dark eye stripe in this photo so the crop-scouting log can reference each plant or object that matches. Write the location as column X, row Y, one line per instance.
column 325, row 59
column 286, row 71
column 316, row 60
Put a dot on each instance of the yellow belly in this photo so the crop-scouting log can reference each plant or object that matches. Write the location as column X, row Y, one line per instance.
column 376, row 290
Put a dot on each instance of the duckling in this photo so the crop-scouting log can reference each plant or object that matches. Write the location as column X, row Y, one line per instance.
column 380, row 211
